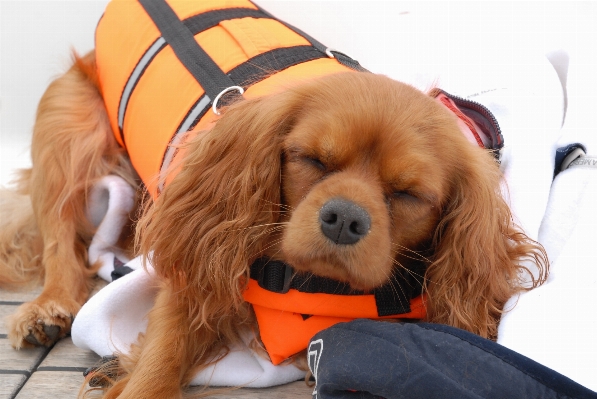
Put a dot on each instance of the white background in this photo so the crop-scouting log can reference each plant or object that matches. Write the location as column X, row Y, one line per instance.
column 455, row 44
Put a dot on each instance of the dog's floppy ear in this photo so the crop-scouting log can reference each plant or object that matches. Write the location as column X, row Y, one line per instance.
column 479, row 251
column 214, row 218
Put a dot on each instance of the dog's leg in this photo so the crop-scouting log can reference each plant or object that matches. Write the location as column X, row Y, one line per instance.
column 161, row 364
column 72, row 147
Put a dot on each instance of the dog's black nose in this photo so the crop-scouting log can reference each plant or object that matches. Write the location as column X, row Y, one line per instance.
column 343, row 221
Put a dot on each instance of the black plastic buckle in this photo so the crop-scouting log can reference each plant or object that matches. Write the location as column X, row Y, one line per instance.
column 269, row 277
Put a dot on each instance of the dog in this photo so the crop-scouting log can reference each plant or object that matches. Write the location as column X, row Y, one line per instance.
column 351, row 177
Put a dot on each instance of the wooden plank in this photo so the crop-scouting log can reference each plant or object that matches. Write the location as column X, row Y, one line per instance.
column 29, row 293
column 294, row 390
column 20, row 296
column 52, row 384
column 10, row 384
column 64, row 384
column 66, row 355
column 24, row 359
column 5, row 310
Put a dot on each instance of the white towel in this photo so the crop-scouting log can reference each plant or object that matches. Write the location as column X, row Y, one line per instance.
column 113, row 318
column 110, row 202
column 556, row 323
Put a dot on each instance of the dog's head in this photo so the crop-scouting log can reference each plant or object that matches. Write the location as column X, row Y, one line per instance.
column 349, row 177
column 368, row 167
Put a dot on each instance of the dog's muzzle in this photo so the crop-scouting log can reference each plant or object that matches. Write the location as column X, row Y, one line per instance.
column 343, row 221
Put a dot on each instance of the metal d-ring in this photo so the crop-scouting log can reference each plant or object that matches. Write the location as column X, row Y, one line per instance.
column 214, row 106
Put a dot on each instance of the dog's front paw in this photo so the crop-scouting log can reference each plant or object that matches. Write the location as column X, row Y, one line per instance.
column 41, row 322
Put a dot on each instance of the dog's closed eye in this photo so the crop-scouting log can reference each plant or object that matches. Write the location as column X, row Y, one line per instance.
column 313, row 160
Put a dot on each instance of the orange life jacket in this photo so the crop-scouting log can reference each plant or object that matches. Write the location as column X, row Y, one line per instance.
column 146, row 53
column 162, row 66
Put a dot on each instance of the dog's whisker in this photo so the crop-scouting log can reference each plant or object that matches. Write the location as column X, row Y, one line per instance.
column 396, row 279
column 415, row 275
column 272, row 244
column 400, row 298
column 266, row 232
column 307, row 280
column 416, row 253
column 392, row 280
column 283, row 206
column 411, row 257
column 260, row 225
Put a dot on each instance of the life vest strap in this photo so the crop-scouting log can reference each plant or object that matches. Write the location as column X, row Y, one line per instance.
column 341, row 57
column 196, row 24
column 393, row 298
column 253, row 71
column 182, row 41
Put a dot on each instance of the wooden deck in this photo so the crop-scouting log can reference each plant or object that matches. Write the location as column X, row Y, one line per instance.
column 57, row 372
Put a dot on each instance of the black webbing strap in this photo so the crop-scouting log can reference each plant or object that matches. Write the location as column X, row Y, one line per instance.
column 266, row 64
column 341, row 57
column 246, row 74
column 207, row 73
column 254, row 71
column 393, row 298
column 209, row 19
column 196, row 24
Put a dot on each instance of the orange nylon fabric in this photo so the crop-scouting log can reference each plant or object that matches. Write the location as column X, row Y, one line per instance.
column 283, row 330
column 166, row 91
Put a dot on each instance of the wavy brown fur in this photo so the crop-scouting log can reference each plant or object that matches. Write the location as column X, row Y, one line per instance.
column 479, row 253
column 72, row 147
column 20, row 241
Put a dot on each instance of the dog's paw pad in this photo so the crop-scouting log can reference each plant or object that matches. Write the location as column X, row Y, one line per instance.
column 52, row 332
column 39, row 325
column 32, row 340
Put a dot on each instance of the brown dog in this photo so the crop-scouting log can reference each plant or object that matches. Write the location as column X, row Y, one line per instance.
column 268, row 179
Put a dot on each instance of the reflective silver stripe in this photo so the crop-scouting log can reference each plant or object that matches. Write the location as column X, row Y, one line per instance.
column 130, row 84
column 195, row 112
column 178, row 137
column 168, row 157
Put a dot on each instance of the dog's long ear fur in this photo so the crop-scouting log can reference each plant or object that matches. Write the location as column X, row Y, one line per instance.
column 479, row 252
column 216, row 216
